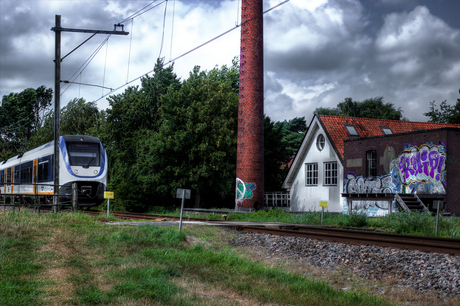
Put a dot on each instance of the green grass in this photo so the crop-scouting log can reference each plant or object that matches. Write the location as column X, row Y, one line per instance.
column 73, row 259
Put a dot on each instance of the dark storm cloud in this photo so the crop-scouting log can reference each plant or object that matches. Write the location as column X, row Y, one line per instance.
column 409, row 56
column 317, row 52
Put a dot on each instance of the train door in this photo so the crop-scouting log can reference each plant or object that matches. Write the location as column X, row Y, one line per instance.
column 35, row 177
column 2, row 182
column 8, row 180
column 12, row 180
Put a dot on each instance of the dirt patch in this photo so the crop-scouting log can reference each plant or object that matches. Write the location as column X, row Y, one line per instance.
column 210, row 294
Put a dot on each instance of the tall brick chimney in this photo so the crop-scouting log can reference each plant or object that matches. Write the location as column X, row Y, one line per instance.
column 250, row 150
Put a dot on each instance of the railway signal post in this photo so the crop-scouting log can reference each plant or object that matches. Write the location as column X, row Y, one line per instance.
column 57, row 91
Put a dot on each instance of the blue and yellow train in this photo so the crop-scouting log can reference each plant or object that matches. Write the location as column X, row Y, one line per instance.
column 30, row 175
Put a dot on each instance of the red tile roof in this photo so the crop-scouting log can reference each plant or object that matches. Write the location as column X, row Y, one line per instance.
column 368, row 127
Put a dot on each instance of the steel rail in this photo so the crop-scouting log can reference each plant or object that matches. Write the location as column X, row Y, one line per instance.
column 141, row 216
column 400, row 241
column 324, row 233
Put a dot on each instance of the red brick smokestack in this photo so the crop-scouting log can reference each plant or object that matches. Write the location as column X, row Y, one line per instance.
column 250, row 151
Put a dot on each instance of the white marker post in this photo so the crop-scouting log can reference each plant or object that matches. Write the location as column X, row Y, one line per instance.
column 184, row 194
column 322, row 204
column 108, row 195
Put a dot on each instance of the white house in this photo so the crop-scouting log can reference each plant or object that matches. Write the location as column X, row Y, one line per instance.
column 316, row 174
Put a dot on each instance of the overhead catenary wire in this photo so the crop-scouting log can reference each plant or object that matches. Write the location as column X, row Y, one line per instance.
column 192, row 50
column 163, row 32
column 143, row 10
column 85, row 64
column 172, row 29
column 105, row 64
column 129, row 53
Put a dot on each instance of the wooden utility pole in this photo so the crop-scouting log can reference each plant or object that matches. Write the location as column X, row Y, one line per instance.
column 57, row 93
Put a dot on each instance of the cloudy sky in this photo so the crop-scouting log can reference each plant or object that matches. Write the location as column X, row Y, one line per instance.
column 317, row 52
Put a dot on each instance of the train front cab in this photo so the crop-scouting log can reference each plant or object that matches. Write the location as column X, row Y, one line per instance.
column 84, row 161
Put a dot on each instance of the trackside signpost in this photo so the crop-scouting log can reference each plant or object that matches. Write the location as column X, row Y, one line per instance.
column 108, row 195
column 322, row 204
column 182, row 194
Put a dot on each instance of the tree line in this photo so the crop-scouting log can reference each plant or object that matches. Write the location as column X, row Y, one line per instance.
column 168, row 133
column 164, row 134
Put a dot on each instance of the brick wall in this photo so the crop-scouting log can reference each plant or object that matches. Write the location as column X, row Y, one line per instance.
column 250, row 150
column 355, row 151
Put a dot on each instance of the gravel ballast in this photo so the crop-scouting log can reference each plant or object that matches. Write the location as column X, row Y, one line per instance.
column 419, row 270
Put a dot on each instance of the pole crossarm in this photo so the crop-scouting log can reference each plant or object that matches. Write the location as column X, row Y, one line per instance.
column 60, row 29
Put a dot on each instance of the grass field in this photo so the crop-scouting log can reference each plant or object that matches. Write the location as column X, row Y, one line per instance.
column 72, row 259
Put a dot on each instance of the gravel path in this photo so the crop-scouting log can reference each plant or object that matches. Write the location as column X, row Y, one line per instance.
column 419, row 270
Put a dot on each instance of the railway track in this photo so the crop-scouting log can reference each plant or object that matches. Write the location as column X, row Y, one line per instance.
column 410, row 242
column 324, row 233
column 148, row 217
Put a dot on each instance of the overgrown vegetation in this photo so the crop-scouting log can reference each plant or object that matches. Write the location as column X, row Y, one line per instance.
column 65, row 258
column 413, row 223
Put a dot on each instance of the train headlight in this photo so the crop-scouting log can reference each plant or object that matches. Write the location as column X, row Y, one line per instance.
column 95, row 171
column 76, row 171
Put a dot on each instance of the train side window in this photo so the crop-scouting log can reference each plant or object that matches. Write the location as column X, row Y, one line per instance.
column 16, row 177
column 8, row 176
column 2, row 177
column 43, row 171
column 26, row 174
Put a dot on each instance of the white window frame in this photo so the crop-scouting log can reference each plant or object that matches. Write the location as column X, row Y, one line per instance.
column 320, row 142
column 311, row 174
column 330, row 174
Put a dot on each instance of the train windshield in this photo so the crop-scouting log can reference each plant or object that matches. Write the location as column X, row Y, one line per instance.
column 84, row 154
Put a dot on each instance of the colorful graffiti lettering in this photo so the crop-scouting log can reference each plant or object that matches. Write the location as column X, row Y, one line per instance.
column 425, row 163
column 359, row 184
column 417, row 169
column 244, row 190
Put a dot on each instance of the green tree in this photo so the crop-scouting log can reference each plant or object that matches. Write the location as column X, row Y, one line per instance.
column 282, row 139
column 131, row 117
column 293, row 133
column 445, row 114
column 21, row 114
column 78, row 117
column 195, row 146
column 368, row 108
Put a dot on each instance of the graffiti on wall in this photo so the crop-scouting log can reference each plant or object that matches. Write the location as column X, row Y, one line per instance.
column 420, row 169
column 243, row 190
column 360, row 184
column 423, row 165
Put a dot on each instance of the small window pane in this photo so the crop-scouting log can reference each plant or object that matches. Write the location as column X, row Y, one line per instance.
column 351, row 130
column 371, row 163
column 311, row 174
column 386, row 130
column 330, row 173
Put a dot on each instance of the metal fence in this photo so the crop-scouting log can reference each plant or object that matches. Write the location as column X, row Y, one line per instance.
column 277, row 199
column 37, row 201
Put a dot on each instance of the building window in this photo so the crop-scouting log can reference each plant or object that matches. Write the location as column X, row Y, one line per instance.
column 386, row 130
column 320, row 141
column 351, row 130
column 330, row 174
column 371, row 163
column 311, row 174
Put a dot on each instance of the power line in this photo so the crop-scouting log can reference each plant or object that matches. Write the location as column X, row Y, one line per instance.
column 86, row 63
column 163, row 34
column 143, row 10
column 194, row 49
